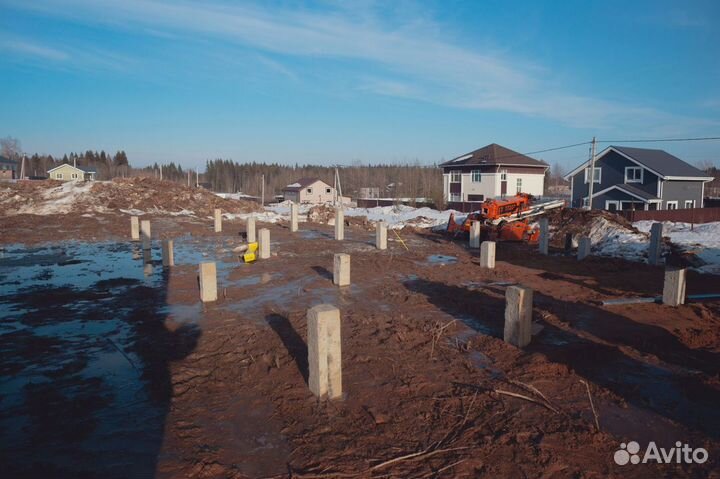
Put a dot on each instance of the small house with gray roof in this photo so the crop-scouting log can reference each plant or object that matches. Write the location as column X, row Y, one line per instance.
column 68, row 172
column 638, row 179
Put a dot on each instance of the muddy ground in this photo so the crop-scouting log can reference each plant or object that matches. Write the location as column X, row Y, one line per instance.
column 111, row 367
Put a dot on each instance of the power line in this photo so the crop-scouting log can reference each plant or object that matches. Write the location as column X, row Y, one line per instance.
column 655, row 140
column 519, row 155
column 574, row 145
column 556, row 148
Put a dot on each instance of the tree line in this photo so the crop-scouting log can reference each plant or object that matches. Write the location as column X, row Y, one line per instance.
column 412, row 180
column 107, row 165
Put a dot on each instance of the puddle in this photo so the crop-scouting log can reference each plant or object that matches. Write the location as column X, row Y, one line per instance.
column 86, row 352
column 280, row 295
column 441, row 259
column 313, row 234
column 479, row 326
column 482, row 361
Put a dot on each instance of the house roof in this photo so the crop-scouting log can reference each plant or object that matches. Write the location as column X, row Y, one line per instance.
column 630, row 190
column 7, row 161
column 494, row 154
column 302, row 183
column 635, row 191
column 659, row 162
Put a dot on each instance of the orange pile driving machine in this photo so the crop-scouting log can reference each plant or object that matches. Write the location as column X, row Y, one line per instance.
column 505, row 219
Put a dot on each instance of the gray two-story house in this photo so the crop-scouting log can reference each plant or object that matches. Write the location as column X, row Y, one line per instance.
column 638, row 178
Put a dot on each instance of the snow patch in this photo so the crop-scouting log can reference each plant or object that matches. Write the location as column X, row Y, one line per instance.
column 58, row 200
column 611, row 239
column 701, row 239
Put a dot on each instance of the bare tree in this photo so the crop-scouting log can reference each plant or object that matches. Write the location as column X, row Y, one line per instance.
column 10, row 148
column 705, row 165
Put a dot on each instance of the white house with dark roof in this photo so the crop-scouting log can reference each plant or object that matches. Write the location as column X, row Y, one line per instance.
column 309, row 190
column 492, row 171
column 638, row 178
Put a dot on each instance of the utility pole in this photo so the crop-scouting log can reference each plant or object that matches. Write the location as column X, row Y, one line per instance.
column 22, row 168
column 160, row 172
column 338, row 187
column 335, row 188
column 188, row 178
column 262, row 189
column 591, row 176
column 197, row 178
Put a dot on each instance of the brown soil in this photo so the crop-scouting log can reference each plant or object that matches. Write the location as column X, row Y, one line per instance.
column 144, row 194
column 423, row 364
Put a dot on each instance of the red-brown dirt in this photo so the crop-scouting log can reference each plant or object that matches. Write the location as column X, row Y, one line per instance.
column 428, row 380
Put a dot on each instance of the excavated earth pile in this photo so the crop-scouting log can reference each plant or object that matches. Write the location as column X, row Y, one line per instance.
column 142, row 194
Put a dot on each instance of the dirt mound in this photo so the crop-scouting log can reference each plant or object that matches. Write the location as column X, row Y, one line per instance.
column 578, row 222
column 142, row 194
column 321, row 214
column 150, row 193
column 325, row 214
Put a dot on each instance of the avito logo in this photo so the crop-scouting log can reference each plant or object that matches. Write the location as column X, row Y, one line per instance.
column 680, row 454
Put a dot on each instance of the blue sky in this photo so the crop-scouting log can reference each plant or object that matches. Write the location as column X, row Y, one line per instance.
column 333, row 82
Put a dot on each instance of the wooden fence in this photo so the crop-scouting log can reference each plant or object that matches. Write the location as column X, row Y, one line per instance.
column 689, row 215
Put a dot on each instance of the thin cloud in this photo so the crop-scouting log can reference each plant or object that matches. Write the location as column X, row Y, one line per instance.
column 277, row 67
column 35, row 50
column 433, row 68
column 66, row 57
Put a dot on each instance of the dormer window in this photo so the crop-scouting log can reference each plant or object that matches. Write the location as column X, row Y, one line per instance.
column 633, row 174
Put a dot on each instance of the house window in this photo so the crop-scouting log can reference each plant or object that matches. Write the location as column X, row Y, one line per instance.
column 612, row 205
column 58, row 176
column 689, row 204
column 309, row 191
column 633, row 174
column 672, row 205
column 328, row 190
column 455, row 177
column 503, row 175
column 519, row 185
column 476, row 176
column 598, row 175
column 73, row 176
column 455, row 197
column 585, row 202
